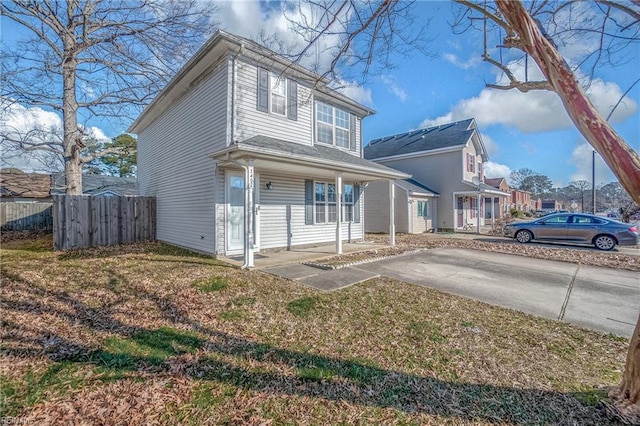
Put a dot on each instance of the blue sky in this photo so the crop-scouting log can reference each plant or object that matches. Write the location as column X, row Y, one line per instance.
column 520, row 130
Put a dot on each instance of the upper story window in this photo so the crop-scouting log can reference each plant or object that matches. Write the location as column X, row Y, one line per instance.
column 277, row 94
column 334, row 126
column 471, row 163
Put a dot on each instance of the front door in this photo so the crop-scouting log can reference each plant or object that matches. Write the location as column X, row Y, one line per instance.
column 235, row 213
column 460, row 211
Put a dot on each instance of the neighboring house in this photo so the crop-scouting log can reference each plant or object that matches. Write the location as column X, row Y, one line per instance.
column 550, row 206
column 447, row 158
column 521, row 200
column 99, row 185
column 496, row 207
column 415, row 207
column 245, row 150
column 24, row 187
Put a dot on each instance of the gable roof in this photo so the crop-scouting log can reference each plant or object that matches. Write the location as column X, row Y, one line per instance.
column 415, row 187
column 99, row 185
column 448, row 135
column 25, row 185
column 496, row 182
column 224, row 43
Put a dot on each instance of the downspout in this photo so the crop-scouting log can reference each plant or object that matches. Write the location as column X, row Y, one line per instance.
column 248, row 210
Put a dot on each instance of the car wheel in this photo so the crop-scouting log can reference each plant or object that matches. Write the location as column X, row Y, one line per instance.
column 604, row 242
column 524, row 236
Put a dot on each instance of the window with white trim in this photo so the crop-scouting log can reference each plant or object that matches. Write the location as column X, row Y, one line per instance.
column 471, row 161
column 278, row 95
column 333, row 125
column 347, row 206
column 325, row 202
column 325, row 205
column 423, row 208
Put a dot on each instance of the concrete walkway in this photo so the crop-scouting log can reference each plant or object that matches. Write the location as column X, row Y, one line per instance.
column 321, row 279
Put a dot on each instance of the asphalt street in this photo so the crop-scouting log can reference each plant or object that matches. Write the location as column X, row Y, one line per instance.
column 602, row 299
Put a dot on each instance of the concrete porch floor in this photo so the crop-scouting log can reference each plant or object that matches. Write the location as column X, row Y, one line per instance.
column 271, row 257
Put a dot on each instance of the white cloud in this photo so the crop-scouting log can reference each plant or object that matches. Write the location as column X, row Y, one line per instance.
column 494, row 170
column 358, row 93
column 465, row 65
column 393, row 87
column 37, row 125
column 536, row 111
column 240, row 17
column 582, row 159
column 490, row 145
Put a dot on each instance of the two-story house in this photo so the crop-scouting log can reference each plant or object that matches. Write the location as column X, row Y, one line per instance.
column 245, row 150
column 448, row 159
column 497, row 207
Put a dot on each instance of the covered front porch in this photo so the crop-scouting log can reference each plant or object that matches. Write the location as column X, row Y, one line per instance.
column 280, row 195
column 475, row 209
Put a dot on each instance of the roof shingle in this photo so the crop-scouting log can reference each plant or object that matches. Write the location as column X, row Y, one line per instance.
column 437, row 137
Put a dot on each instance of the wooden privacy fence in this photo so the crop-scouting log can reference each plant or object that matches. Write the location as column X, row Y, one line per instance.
column 88, row 221
column 26, row 216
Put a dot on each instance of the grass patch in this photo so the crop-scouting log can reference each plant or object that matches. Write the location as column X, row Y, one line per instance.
column 233, row 315
column 33, row 388
column 126, row 319
column 211, row 284
column 431, row 330
column 303, row 306
column 145, row 347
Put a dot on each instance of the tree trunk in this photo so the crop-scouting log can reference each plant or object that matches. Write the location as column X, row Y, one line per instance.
column 623, row 161
column 72, row 142
column 629, row 389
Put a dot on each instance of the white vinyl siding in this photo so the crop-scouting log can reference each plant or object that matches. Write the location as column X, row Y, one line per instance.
column 251, row 122
column 442, row 173
column 282, row 216
column 174, row 164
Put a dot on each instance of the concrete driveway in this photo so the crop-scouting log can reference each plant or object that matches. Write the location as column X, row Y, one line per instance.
column 602, row 299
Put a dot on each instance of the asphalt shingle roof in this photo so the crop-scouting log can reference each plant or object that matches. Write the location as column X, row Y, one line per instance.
column 317, row 151
column 95, row 184
column 437, row 137
column 415, row 186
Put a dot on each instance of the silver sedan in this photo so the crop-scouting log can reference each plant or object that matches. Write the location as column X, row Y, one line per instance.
column 603, row 233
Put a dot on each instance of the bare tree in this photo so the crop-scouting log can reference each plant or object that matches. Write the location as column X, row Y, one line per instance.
column 617, row 25
column 580, row 187
column 92, row 58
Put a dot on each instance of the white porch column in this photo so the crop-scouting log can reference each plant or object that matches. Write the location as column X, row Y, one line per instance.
column 248, row 215
column 338, row 214
column 392, row 211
